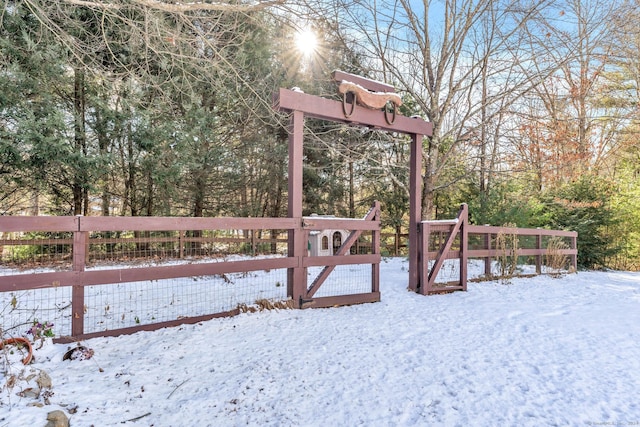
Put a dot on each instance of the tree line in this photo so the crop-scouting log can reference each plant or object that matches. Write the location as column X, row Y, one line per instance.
column 162, row 108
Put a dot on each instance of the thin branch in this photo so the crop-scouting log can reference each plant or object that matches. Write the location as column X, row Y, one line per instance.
column 180, row 8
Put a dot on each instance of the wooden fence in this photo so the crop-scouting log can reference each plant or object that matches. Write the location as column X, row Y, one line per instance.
column 98, row 276
column 91, row 285
column 504, row 248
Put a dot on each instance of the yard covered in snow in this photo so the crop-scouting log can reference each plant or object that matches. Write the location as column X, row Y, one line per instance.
column 537, row 351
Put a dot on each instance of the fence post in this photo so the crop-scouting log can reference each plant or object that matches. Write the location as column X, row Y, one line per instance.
column 487, row 260
column 375, row 249
column 464, row 245
column 416, row 259
column 539, row 256
column 253, row 243
column 80, row 243
column 425, row 238
column 574, row 258
column 297, row 246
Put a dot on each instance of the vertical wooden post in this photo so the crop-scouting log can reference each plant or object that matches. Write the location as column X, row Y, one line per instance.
column 487, row 260
column 574, row 258
column 80, row 242
column 375, row 249
column 396, row 246
column 253, row 242
column 464, row 245
column 415, row 213
column 297, row 247
column 539, row 256
column 424, row 238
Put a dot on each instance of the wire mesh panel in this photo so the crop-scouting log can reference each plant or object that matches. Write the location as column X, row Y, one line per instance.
column 155, row 246
column 344, row 280
column 510, row 252
column 449, row 273
column 24, row 252
column 20, row 310
column 139, row 303
column 124, row 305
column 555, row 260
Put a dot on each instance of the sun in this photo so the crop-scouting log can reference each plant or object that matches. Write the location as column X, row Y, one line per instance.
column 306, row 41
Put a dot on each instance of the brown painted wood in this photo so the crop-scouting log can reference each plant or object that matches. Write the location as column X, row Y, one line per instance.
column 316, row 223
column 24, row 282
column 297, row 246
column 375, row 250
column 424, row 232
column 453, row 227
column 38, row 223
column 445, row 289
column 493, row 253
column 183, row 223
column 416, row 261
column 326, row 302
column 574, row 256
column 484, row 229
column 20, row 242
column 331, row 110
column 80, row 243
column 464, row 245
column 335, row 260
column 539, row 256
column 429, row 227
column 148, row 327
column 19, row 282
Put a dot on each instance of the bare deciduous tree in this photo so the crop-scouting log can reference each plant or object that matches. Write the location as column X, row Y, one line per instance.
column 462, row 62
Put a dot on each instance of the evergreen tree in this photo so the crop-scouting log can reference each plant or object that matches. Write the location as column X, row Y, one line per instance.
column 585, row 206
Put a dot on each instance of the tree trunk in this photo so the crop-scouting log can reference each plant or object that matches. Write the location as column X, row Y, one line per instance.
column 79, row 186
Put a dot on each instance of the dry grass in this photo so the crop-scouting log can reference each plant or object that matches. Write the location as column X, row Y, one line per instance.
column 555, row 260
column 265, row 304
column 507, row 246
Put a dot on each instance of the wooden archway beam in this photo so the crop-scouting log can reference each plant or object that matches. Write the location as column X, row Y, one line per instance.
column 328, row 109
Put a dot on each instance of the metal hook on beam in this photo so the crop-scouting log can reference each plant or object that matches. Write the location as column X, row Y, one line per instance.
column 391, row 120
column 348, row 114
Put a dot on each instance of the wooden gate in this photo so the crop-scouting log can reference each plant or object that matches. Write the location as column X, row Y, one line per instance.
column 442, row 241
column 305, row 292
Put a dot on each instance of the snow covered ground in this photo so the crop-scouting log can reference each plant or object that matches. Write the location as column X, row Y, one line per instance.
column 536, row 352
